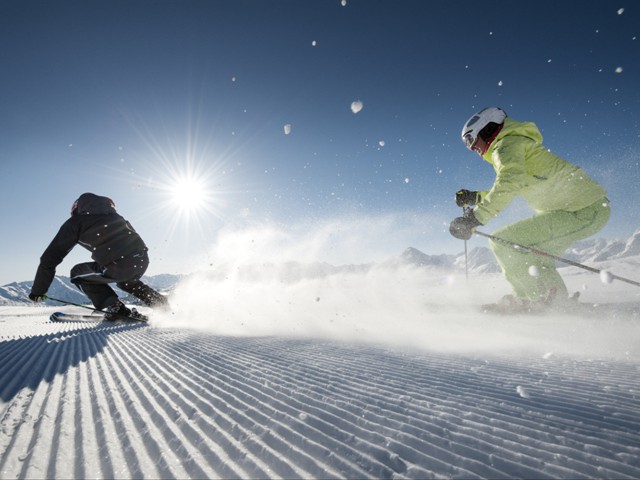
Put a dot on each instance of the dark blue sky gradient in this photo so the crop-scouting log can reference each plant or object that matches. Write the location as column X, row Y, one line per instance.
column 119, row 97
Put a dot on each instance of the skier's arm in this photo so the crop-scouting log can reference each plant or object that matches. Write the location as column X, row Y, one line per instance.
column 509, row 163
column 60, row 246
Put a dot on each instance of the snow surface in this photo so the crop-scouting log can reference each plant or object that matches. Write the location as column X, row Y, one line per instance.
column 376, row 374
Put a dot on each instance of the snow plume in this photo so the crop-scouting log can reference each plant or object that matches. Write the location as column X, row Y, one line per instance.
column 269, row 282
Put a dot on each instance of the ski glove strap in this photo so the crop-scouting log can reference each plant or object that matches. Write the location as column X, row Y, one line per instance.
column 467, row 197
column 462, row 227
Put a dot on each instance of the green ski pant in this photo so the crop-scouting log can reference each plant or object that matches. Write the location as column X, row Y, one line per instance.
column 550, row 232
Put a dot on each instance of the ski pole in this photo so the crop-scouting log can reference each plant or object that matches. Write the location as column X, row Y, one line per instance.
column 466, row 261
column 46, row 297
column 465, row 210
column 535, row 251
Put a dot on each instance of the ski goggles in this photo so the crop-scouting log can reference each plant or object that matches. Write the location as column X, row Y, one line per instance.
column 469, row 140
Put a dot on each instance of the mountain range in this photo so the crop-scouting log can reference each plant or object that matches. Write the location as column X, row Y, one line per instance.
column 479, row 260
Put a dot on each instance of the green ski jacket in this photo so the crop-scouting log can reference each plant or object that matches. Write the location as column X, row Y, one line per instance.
column 524, row 167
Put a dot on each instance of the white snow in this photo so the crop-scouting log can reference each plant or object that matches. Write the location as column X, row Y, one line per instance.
column 606, row 277
column 356, row 106
column 370, row 374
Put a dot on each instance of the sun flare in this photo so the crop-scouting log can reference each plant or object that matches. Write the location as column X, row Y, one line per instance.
column 189, row 194
column 187, row 183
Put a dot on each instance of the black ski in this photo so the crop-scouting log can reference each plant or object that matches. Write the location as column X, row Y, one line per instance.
column 77, row 317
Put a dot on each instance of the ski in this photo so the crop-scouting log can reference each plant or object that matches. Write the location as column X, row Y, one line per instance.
column 77, row 317
column 74, row 317
column 615, row 309
column 605, row 310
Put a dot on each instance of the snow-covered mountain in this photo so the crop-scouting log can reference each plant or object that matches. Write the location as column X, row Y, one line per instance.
column 17, row 293
column 600, row 250
column 479, row 260
column 413, row 256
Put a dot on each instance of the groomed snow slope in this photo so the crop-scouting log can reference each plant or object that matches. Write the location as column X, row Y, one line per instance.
column 82, row 400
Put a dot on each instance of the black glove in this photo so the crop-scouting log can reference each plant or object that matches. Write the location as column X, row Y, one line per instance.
column 37, row 298
column 466, row 197
column 462, row 227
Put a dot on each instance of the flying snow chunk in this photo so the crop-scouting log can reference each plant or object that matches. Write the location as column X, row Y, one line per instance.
column 619, row 70
column 314, row 43
column 287, row 129
column 343, row 3
column 606, row 277
column 533, row 271
column 620, row 11
column 382, row 143
column 500, row 83
column 356, row 106
column 522, row 392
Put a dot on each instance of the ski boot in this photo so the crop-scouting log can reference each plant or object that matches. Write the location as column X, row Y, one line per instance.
column 118, row 311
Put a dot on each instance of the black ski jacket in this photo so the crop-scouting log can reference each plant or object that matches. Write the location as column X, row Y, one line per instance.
column 95, row 225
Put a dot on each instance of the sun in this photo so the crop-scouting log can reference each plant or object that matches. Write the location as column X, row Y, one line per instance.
column 188, row 203
column 189, row 194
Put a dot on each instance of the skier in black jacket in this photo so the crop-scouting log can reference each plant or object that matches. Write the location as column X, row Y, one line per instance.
column 119, row 254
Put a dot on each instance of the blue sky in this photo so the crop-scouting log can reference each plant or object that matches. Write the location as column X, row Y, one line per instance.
column 125, row 98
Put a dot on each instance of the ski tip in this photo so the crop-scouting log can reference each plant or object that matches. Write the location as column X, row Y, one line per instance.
column 73, row 317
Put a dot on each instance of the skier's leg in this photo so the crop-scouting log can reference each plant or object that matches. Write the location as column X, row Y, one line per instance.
column 517, row 265
column 144, row 292
column 89, row 278
column 553, row 233
column 127, row 272
column 574, row 226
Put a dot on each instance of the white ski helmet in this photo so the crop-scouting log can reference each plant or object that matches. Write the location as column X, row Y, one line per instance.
column 480, row 120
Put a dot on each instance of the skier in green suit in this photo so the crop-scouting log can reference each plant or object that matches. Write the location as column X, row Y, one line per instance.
column 568, row 205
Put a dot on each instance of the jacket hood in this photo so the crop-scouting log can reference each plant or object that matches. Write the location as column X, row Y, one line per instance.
column 514, row 128
column 92, row 204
